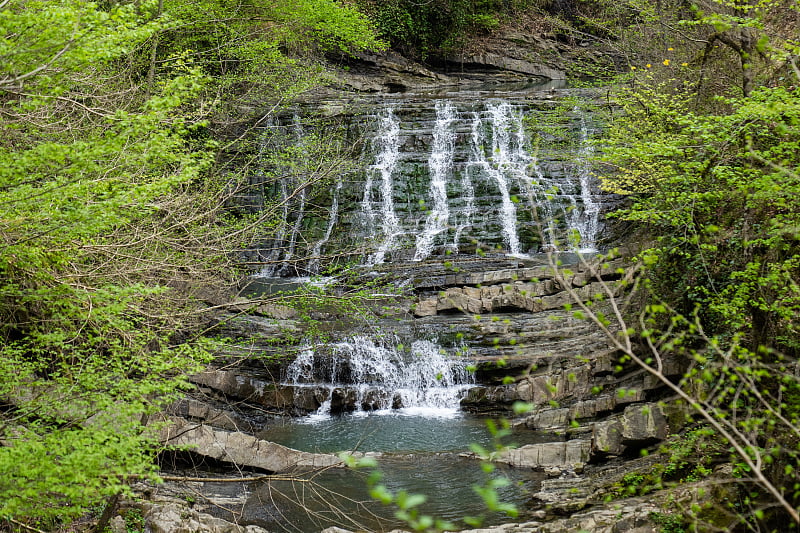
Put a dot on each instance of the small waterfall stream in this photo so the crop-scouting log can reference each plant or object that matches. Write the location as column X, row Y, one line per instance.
column 440, row 163
column 388, row 141
column 586, row 220
column 361, row 375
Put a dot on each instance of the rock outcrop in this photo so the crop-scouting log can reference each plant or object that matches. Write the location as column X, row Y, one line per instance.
column 241, row 449
column 177, row 518
column 510, row 52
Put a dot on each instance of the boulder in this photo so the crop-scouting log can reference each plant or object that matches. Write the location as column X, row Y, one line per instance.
column 554, row 385
column 426, row 307
column 203, row 412
column 643, row 424
column 549, row 419
column 240, row 448
column 607, row 438
column 175, row 518
column 343, row 399
column 565, row 455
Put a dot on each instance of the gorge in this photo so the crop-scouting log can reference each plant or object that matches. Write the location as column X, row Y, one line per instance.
column 360, row 265
column 463, row 201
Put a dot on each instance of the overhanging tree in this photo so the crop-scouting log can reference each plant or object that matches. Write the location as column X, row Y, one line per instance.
column 113, row 224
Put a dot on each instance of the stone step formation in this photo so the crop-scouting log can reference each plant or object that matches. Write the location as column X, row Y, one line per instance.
column 445, row 177
column 457, row 207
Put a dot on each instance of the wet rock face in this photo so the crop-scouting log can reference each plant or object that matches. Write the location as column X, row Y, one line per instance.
column 442, row 175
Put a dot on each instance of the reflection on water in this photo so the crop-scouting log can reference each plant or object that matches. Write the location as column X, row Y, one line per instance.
column 420, row 454
column 340, row 497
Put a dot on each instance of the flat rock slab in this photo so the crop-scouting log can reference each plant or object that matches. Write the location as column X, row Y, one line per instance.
column 241, row 449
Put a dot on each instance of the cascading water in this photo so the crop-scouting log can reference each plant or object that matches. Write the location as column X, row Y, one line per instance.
column 440, row 163
column 316, row 252
column 447, row 176
column 509, row 164
column 495, row 166
column 388, row 143
column 586, row 220
column 292, row 203
column 464, row 215
column 539, row 198
column 274, row 255
column 363, row 375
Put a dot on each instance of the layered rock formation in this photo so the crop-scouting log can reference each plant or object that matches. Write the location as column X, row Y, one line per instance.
column 464, row 258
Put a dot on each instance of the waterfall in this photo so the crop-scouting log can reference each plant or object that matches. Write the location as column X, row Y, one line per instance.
column 540, row 197
column 299, row 213
column 469, row 163
column 465, row 215
column 388, row 141
column 586, row 220
column 498, row 166
column 272, row 266
column 440, row 164
column 313, row 263
column 379, row 377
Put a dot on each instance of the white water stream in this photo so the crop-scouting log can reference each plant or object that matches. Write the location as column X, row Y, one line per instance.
column 469, row 149
column 587, row 219
column 440, row 164
column 388, row 140
column 418, row 379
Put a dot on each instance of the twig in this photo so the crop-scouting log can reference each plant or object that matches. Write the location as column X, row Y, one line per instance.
column 265, row 477
column 25, row 526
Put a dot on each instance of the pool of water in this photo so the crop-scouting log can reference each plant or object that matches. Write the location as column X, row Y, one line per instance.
column 339, row 497
column 416, row 430
column 421, row 452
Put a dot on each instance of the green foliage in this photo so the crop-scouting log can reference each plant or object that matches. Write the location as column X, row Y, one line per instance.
column 439, row 26
column 113, row 221
column 134, row 521
column 43, row 42
column 691, row 455
column 715, row 182
column 738, row 172
column 669, row 523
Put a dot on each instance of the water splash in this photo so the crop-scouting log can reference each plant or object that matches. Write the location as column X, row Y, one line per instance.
column 380, row 377
column 440, row 164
